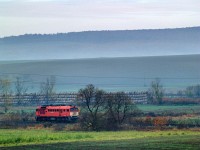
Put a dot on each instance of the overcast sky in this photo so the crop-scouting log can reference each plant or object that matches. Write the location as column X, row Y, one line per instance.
column 52, row 16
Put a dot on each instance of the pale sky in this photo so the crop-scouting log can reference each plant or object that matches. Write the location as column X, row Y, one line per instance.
column 55, row 16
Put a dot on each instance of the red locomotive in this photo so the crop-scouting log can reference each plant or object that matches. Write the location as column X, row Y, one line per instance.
column 66, row 113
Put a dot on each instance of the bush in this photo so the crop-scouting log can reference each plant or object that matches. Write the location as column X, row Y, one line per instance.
column 160, row 121
column 187, row 123
column 181, row 101
column 18, row 119
column 58, row 127
column 47, row 124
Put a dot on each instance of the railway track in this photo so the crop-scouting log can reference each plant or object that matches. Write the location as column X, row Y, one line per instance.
column 29, row 123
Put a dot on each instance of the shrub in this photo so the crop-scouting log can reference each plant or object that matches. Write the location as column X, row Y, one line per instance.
column 18, row 119
column 47, row 124
column 160, row 121
column 58, row 127
column 181, row 101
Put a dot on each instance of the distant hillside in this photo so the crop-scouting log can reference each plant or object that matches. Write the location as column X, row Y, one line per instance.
column 113, row 74
column 93, row 44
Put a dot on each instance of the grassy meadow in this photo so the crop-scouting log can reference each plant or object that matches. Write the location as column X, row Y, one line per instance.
column 37, row 136
column 188, row 109
column 50, row 139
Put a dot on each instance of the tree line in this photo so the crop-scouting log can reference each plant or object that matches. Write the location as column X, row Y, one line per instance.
column 156, row 91
column 100, row 110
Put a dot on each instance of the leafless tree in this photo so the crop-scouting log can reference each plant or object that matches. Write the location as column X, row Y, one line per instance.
column 119, row 106
column 193, row 91
column 93, row 104
column 48, row 89
column 35, row 99
column 5, row 92
column 156, row 92
column 20, row 90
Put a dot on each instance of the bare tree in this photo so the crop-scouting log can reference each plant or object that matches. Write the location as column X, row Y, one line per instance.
column 156, row 92
column 5, row 91
column 48, row 89
column 93, row 104
column 20, row 90
column 35, row 99
column 119, row 106
column 193, row 91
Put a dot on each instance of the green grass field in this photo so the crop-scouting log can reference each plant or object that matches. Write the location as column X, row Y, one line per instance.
column 15, row 109
column 41, row 138
column 49, row 139
column 167, row 108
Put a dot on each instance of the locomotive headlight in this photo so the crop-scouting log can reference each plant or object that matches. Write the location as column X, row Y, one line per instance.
column 73, row 113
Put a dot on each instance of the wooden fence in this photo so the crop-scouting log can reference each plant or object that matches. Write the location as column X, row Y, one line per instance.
column 60, row 98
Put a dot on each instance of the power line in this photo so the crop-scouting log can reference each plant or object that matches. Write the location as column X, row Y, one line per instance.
column 105, row 85
column 81, row 76
column 101, row 84
column 86, row 83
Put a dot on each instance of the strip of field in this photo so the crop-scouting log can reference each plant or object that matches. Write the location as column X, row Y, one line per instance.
column 49, row 139
column 144, row 108
column 110, row 74
column 172, row 108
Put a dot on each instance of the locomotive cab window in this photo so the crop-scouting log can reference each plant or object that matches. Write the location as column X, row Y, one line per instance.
column 73, row 109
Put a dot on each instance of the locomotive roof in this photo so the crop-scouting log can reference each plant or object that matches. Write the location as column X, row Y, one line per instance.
column 56, row 106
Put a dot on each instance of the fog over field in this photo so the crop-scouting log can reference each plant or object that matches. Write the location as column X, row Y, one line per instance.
column 112, row 74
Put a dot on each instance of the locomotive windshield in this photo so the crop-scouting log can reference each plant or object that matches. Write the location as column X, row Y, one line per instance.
column 73, row 109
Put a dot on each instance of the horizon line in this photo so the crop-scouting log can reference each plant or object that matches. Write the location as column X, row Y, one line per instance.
column 90, row 58
column 170, row 28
